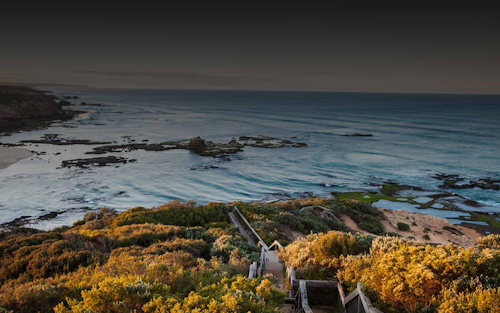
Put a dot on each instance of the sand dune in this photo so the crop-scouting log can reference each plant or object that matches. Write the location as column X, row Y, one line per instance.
column 423, row 225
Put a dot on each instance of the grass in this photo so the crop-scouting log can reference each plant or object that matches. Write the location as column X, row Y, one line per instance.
column 389, row 189
column 493, row 222
column 360, row 196
column 387, row 192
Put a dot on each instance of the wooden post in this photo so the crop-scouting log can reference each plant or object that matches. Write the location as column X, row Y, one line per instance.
column 341, row 293
column 262, row 261
column 303, row 297
column 250, row 271
column 291, row 278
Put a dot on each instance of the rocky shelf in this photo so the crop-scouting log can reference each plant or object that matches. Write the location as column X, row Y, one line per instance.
column 201, row 146
column 54, row 139
column 356, row 135
column 451, row 182
column 101, row 161
column 269, row 142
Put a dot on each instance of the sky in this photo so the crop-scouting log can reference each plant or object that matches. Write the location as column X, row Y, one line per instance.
column 408, row 49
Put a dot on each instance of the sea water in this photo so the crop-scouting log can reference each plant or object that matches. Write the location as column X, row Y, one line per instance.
column 414, row 136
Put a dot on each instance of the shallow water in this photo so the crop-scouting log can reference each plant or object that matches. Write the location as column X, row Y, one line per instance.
column 423, row 200
column 394, row 205
column 414, row 136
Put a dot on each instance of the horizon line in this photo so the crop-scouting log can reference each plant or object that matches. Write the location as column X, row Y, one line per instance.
column 41, row 85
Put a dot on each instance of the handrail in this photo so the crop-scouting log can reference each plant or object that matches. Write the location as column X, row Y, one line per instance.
column 251, row 228
column 276, row 243
column 355, row 295
column 341, row 293
column 364, row 300
column 256, row 271
column 263, row 253
column 301, row 301
column 291, row 277
column 252, row 272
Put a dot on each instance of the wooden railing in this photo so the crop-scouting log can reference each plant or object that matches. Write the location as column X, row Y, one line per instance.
column 254, row 233
column 301, row 301
column 355, row 302
column 254, row 270
column 290, row 275
column 262, row 261
column 275, row 244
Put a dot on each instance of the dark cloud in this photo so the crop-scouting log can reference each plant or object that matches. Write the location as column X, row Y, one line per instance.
column 186, row 77
column 312, row 73
column 334, row 47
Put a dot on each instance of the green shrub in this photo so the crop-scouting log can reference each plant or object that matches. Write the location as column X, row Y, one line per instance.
column 174, row 213
column 403, row 226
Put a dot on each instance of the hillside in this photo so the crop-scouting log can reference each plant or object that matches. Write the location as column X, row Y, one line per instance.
column 24, row 107
column 133, row 261
column 182, row 257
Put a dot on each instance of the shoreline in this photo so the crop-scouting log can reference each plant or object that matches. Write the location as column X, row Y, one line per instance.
column 9, row 156
column 81, row 114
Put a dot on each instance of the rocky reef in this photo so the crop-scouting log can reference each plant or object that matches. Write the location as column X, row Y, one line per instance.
column 197, row 145
column 356, row 135
column 102, row 161
column 451, row 181
column 269, row 142
column 201, row 146
column 54, row 139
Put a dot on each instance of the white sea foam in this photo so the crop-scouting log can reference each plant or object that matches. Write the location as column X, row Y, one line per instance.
column 413, row 136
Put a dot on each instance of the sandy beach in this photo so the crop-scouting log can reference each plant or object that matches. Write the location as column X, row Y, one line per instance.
column 9, row 156
column 83, row 116
column 422, row 224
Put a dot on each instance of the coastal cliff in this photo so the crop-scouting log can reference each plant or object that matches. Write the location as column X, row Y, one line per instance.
column 24, row 107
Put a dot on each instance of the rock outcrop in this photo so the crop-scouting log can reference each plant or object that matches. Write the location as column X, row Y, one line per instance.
column 25, row 108
column 452, row 181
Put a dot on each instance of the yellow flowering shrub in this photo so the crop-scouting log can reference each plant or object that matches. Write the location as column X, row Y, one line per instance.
column 135, row 264
column 318, row 255
column 476, row 298
column 404, row 276
column 491, row 241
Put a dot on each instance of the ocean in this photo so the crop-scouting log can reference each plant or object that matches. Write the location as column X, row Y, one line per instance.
column 414, row 136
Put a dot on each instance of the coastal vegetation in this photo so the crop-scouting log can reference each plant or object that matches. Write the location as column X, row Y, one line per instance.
column 183, row 257
column 178, row 257
column 397, row 193
column 401, row 275
column 388, row 192
column 403, row 226
column 284, row 221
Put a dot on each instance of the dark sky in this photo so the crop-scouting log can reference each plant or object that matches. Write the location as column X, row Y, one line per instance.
column 264, row 47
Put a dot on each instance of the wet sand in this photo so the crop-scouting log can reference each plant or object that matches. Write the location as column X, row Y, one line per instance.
column 9, row 156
